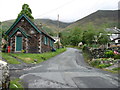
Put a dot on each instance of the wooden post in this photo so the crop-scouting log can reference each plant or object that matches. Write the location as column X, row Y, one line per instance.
column 58, row 34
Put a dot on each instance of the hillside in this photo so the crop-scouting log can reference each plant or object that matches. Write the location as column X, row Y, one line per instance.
column 49, row 25
column 6, row 25
column 86, row 28
column 99, row 19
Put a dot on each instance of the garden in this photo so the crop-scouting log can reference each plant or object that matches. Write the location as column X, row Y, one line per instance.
column 107, row 59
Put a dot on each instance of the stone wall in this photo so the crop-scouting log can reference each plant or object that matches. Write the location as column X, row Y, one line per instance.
column 98, row 52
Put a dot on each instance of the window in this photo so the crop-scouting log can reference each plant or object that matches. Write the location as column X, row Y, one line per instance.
column 45, row 40
column 22, row 20
column 51, row 43
column 48, row 41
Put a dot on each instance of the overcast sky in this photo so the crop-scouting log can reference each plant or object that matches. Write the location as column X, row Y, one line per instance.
column 68, row 10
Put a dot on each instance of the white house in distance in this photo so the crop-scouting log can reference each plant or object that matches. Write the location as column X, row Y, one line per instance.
column 114, row 35
column 57, row 40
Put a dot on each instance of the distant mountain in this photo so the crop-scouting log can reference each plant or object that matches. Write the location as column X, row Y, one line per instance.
column 52, row 22
column 99, row 19
column 6, row 25
column 50, row 26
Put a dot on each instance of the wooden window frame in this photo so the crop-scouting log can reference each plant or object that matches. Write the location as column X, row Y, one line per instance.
column 51, row 43
column 45, row 40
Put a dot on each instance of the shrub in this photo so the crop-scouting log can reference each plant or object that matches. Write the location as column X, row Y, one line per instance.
column 4, row 48
column 117, row 56
column 109, row 54
column 23, row 51
column 116, row 69
column 95, row 63
column 103, row 65
column 84, row 48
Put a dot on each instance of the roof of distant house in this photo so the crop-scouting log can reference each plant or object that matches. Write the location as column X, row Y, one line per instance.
column 113, row 30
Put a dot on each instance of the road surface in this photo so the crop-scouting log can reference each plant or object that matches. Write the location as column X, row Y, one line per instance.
column 67, row 70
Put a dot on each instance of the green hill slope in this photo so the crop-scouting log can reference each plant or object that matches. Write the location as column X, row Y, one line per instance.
column 99, row 19
column 94, row 24
column 50, row 26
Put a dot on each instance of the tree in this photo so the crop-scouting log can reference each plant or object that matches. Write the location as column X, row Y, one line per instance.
column 88, row 37
column 27, row 11
column 76, row 36
column 103, row 39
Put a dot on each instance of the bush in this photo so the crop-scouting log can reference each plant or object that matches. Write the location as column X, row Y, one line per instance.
column 116, row 69
column 4, row 48
column 23, row 51
column 103, row 65
column 95, row 63
column 109, row 54
column 84, row 48
column 117, row 56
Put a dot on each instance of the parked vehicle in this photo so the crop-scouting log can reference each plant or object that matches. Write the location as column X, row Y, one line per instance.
column 4, row 75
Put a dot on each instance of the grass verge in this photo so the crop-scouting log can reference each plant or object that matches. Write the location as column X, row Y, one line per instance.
column 9, row 59
column 112, row 71
column 86, row 58
column 16, row 84
column 29, row 57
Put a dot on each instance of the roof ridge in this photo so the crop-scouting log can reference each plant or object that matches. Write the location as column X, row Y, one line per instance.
column 31, row 22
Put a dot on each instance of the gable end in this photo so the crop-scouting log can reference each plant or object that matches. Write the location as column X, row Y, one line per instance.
column 15, row 23
column 18, row 29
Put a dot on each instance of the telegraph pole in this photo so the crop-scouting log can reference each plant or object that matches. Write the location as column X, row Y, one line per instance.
column 58, row 33
column 1, row 37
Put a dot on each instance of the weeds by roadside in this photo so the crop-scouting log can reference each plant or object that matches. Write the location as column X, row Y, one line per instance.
column 16, row 84
column 9, row 59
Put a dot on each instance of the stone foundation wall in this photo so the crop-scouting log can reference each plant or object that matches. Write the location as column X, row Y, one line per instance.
column 99, row 53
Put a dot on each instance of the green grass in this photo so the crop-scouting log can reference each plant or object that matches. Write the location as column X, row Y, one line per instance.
column 112, row 71
column 16, row 85
column 86, row 57
column 116, row 69
column 103, row 65
column 10, row 59
column 29, row 57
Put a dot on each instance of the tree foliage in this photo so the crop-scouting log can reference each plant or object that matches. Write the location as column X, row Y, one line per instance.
column 103, row 39
column 88, row 35
column 27, row 11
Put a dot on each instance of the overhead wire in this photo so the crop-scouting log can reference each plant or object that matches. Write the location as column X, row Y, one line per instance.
column 56, row 8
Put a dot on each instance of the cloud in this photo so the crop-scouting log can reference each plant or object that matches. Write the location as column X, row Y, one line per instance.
column 69, row 10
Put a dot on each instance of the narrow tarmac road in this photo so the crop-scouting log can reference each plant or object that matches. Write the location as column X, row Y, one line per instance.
column 67, row 70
